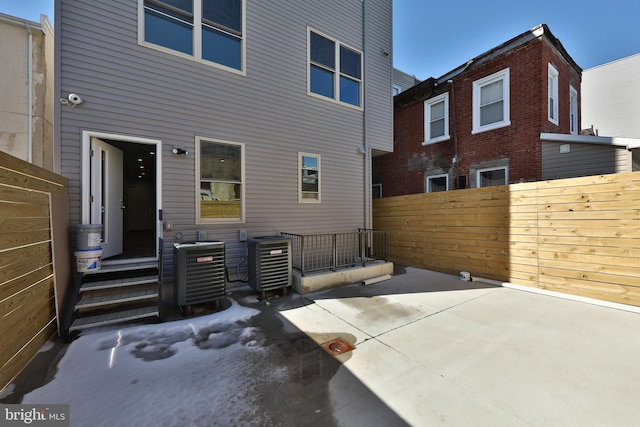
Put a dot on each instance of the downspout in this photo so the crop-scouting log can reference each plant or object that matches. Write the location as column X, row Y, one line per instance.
column 365, row 133
column 30, row 96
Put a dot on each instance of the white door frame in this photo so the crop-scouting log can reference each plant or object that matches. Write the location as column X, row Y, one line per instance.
column 86, row 174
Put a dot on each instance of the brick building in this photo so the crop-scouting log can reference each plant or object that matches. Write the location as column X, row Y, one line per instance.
column 481, row 123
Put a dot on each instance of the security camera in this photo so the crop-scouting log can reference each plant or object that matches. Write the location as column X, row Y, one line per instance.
column 74, row 99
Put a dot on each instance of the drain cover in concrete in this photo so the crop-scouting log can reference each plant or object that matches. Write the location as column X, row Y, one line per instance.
column 338, row 346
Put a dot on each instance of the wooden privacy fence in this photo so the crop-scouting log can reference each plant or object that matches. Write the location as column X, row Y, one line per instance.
column 579, row 236
column 28, row 318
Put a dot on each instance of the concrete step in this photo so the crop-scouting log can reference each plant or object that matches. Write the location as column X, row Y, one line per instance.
column 118, row 283
column 120, row 298
column 114, row 317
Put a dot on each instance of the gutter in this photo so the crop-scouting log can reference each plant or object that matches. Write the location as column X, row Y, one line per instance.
column 365, row 120
column 30, row 95
column 613, row 141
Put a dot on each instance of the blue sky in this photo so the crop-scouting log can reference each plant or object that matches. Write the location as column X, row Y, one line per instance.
column 432, row 38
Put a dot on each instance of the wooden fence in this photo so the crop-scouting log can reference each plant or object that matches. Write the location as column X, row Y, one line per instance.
column 28, row 195
column 579, row 236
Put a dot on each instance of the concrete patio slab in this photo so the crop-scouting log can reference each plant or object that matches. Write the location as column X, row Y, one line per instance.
column 430, row 350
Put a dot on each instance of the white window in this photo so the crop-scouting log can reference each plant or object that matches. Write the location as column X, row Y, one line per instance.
column 553, row 94
column 335, row 70
column 308, row 178
column 436, row 119
column 210, row 31
column 396, row 90
column 436, row 183
column 490, row 177
column 219, row 181
column 491, row 102
column 573, row 110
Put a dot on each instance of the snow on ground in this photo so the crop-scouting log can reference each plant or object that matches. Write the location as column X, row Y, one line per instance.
column 170, row 374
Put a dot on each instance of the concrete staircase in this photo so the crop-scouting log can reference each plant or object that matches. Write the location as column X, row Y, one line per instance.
column 118, row 293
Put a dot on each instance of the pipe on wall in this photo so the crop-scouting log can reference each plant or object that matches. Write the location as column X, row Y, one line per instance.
column 30, row 93
column 367, row 148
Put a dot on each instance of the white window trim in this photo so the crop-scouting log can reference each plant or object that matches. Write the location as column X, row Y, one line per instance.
column 477, row 85
column 573, row 110
column 200, row 220
column 394, row 88
column 197, row 40
column 506, row 174
column 336, row 80
column 427, row 119
column 300, row 198
column 427, row 187
column 552, row 82
column 377, row 186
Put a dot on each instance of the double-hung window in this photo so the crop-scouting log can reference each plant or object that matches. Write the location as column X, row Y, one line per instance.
column 553, row 94
column 308, row 178
column 335, row 70
column 211, row 31
column 219, row 181
column 436, row 119
column 573, row 110
column 491, row 102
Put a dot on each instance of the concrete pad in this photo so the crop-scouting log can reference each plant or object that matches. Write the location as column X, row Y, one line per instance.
column 488, row 356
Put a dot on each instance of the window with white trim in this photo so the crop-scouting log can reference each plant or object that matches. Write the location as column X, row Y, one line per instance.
column 491, row 102
column 553, row 94
column 490, row 177
column 219, row 181
column 211, row 31
column 436, row 183
column 573, row 110
column 308, row 178
column 396, row 90
column 335, row 70
column 436, row 119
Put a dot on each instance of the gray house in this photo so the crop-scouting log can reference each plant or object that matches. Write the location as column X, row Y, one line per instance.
column 184, row 121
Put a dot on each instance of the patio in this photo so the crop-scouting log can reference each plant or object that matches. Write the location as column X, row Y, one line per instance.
column 430, row 349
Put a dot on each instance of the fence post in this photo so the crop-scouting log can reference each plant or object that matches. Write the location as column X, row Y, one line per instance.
column 334, row 261
column 302, row 255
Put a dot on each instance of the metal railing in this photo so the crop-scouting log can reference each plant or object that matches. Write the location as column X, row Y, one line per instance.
column 317, row 252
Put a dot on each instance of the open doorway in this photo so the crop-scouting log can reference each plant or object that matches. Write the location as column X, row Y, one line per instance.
column 123, row 195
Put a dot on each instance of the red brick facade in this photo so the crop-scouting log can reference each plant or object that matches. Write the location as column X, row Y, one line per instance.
column 516, row 146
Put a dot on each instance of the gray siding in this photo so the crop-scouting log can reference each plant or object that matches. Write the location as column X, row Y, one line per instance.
column 134, row 90
column 404, row 80
column 583, row 160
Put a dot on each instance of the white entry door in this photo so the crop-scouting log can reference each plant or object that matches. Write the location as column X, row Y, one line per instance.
column 107, row 194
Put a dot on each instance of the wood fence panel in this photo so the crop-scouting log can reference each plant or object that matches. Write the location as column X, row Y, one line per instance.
column 578, row 235
column 27, row 275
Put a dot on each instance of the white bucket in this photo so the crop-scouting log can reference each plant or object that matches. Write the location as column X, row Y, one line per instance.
column 88, row 260
column 465, row 275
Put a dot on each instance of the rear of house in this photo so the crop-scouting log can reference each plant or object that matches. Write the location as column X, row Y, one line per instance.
column 480, row 124
column 185, row 121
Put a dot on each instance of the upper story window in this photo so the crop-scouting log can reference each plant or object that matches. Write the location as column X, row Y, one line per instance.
column 573, row 110
column 436, row 119
column 396, row 90
column 553, row 94
column 219, row 181
column 491, row 102
column 208, row 30
column 309, row 178
column 335, row 70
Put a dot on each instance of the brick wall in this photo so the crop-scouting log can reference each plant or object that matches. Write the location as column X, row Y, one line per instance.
column 518, row 145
